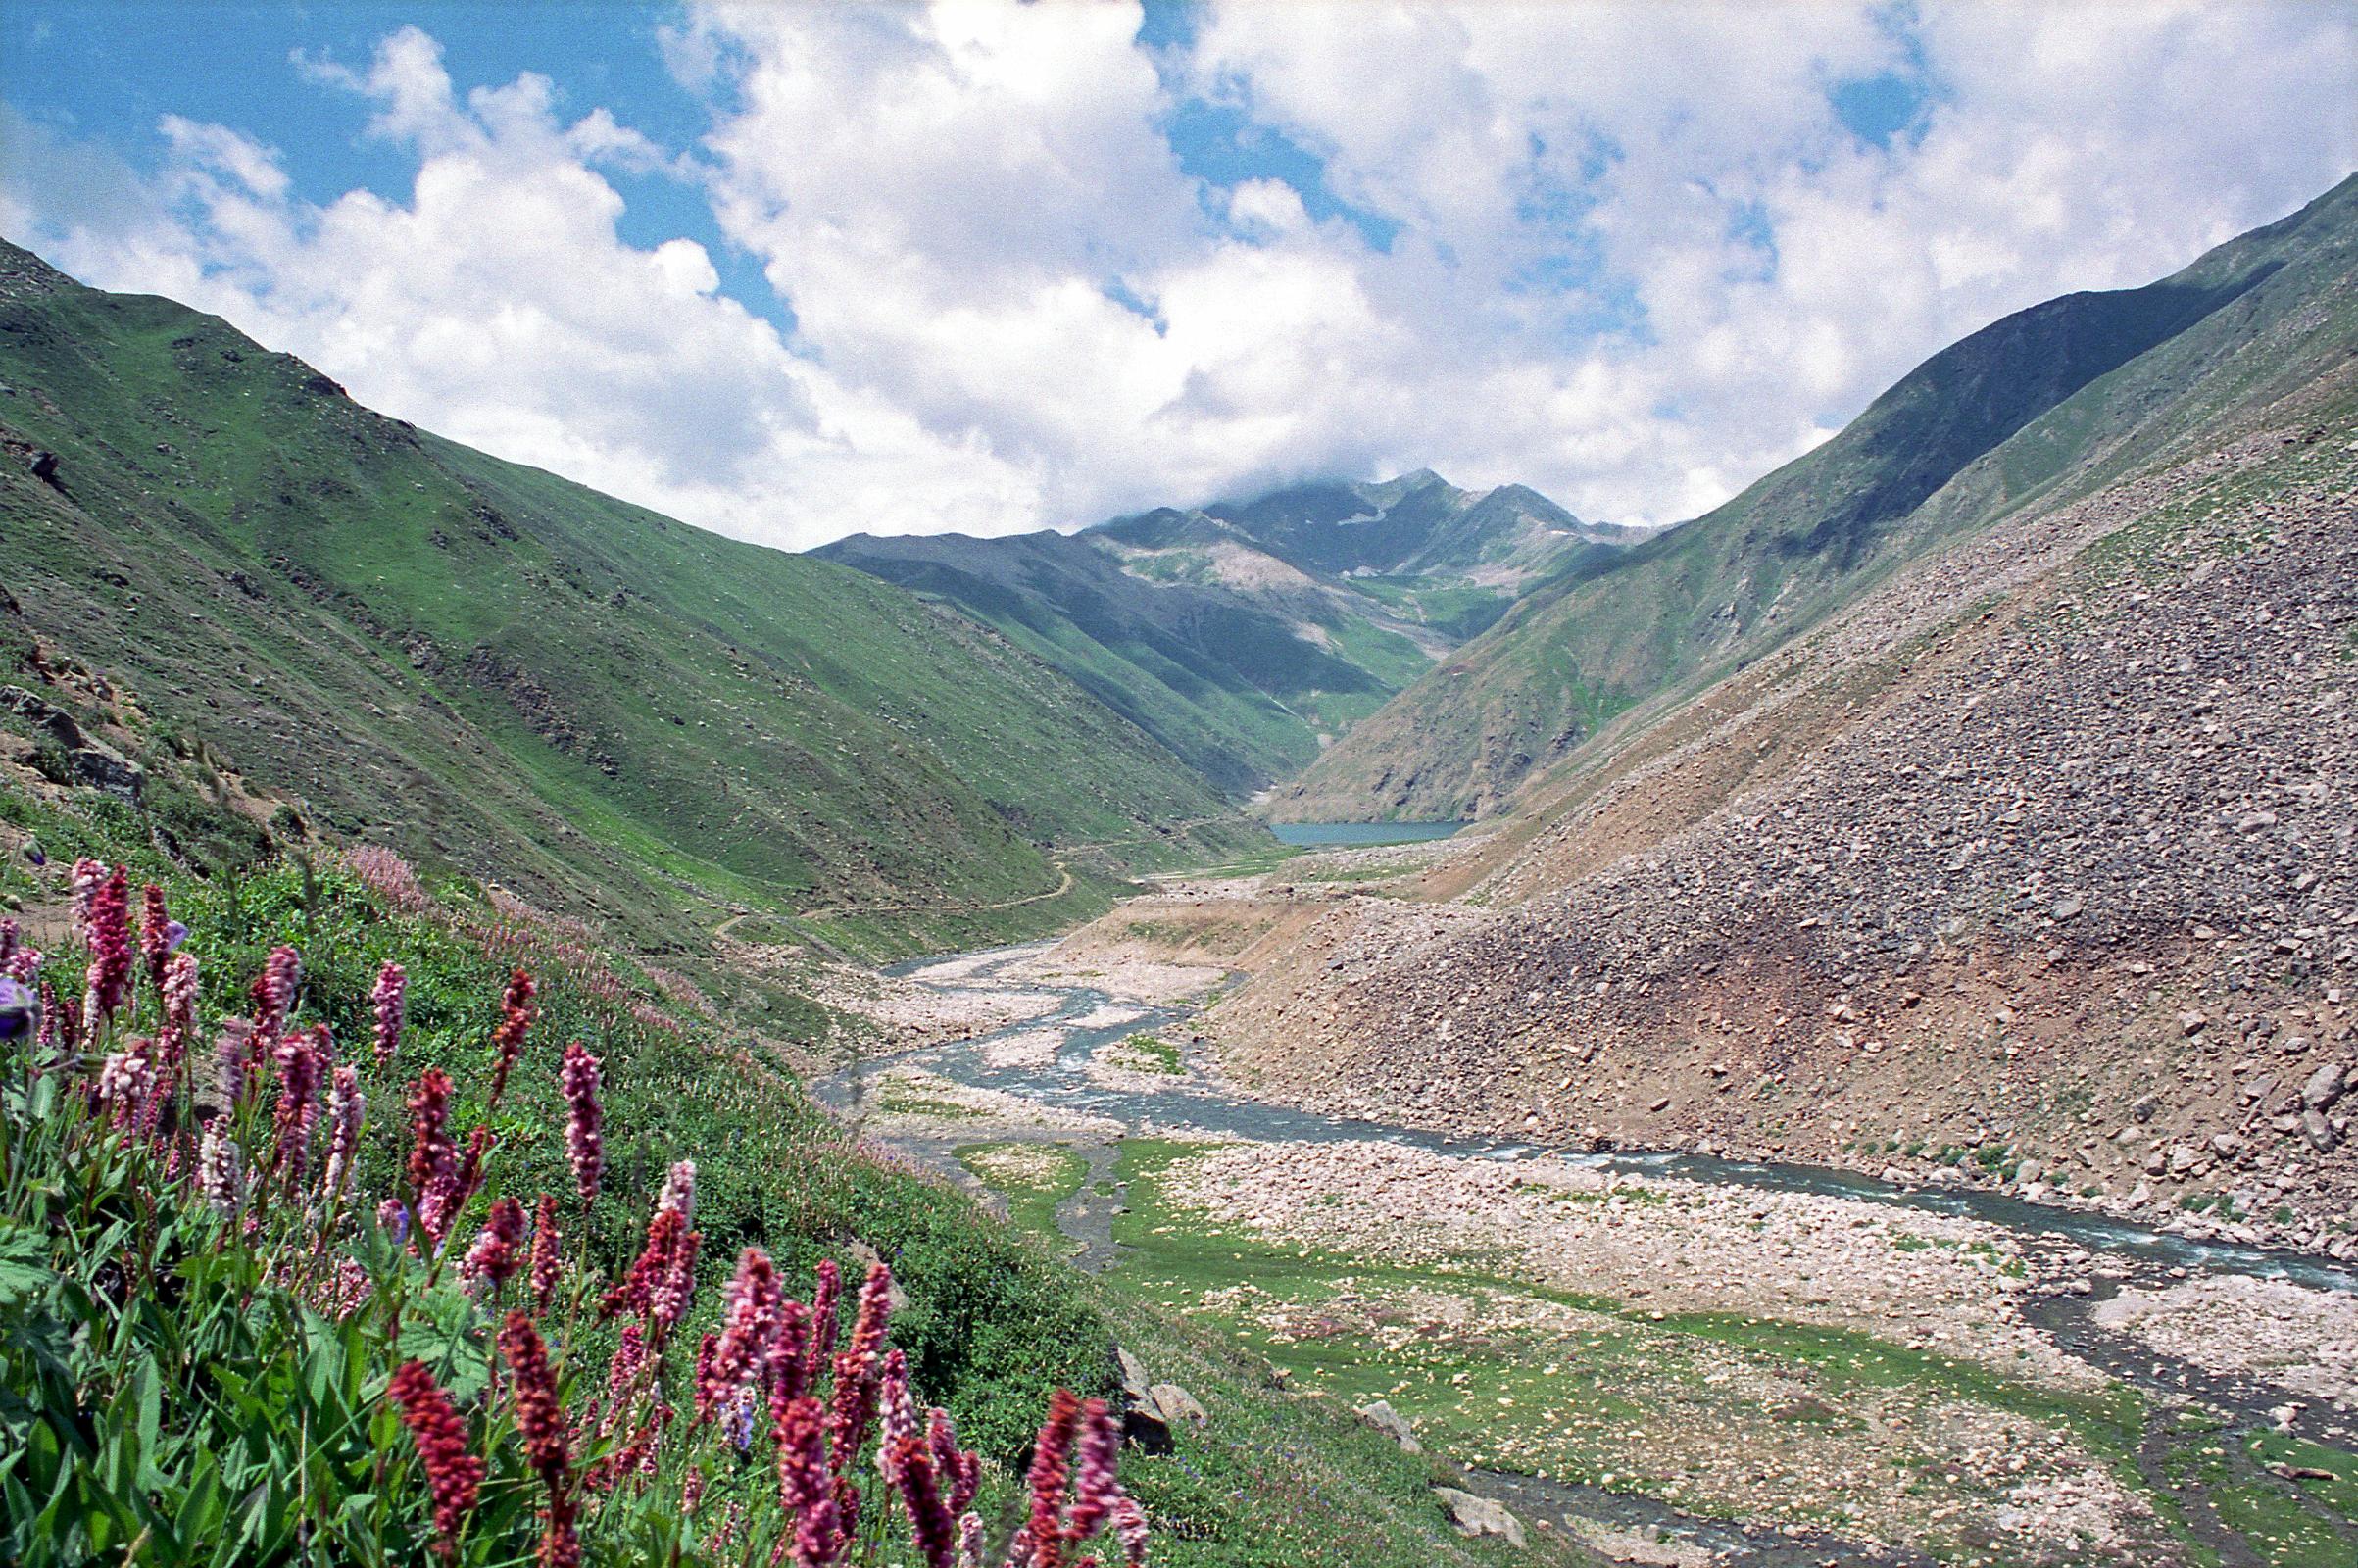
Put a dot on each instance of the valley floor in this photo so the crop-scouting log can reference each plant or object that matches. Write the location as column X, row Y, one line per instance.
column 1648, row 1357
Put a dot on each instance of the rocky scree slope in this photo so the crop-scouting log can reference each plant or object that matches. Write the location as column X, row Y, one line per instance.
column 1246, row 634
column 2039, row 408
column 2040, row 866
column 492, row 668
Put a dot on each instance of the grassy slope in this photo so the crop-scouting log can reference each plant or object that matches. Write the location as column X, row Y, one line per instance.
column 1213, row 677
column 2042, row 407
column 992, row 1322
column 490, row 667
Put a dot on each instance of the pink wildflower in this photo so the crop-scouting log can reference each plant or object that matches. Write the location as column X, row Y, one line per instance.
column 107, row 928
column 302, row 1064
column 909, row 1463
column 749, row 1330
column 1052, row 1460
column 548, row 1260
column 540, row 1421
column 1130, row 1529
column 668, row 1301
column 453, row 1476
column 233, row 1061
column 507, row 1040
column 220, row 1168
column 824, row 1324
column 347, row 1106
column 123, row 1082
column 498, row 1253
column 584, row 1119
column 960, row 1470
column 679, row 1191
column 433, row 1158
column 630, row 1292
column 156, row 940
column 803, row 1485
column 178, row 989
column 389, row 998
column 274, row 992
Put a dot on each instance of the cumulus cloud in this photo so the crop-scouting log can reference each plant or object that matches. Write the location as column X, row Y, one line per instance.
column 1631, row 255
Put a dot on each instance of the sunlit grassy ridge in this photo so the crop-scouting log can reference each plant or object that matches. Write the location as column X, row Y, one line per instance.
column 495, row 668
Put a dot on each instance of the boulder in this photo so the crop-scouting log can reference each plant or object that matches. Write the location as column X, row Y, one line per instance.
column 867, row 1258
column 1385, row 1419
column 1176, row 1404
column 2319, row 1132
column 2325, row 1086
column 1143, row 1425
column 1479, row 1516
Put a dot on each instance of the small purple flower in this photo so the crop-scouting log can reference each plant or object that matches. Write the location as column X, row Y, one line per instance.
column 175, row 933
column 394, row 1221
column 20, row 1010
column 32, row 852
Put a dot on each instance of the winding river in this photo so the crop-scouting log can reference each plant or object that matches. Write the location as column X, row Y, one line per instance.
column 1196, row 1101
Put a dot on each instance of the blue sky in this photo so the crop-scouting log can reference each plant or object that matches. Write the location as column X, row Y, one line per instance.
column 794, row 271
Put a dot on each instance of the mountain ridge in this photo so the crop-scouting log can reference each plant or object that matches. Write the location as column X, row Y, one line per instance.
column 2035, row 402
column 619, row 712
column 1244, row 634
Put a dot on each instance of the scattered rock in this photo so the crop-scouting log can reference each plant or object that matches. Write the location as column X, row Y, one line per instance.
column 1479, row 1516
column 1385, row 1419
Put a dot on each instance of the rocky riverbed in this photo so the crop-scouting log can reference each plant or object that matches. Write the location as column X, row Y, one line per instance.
column 1889, row 1373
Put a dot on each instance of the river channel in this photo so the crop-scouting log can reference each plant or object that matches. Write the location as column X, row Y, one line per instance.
column 1085, row 1019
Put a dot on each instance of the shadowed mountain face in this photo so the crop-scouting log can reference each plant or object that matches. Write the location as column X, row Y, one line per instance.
column 487, row 666
column 2048, row 402
column 1245, row 635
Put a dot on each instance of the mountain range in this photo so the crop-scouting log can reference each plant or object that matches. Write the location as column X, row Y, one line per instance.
column 1246, row 635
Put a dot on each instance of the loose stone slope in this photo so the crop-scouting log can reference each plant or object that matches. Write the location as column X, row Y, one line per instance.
column 2039, row 866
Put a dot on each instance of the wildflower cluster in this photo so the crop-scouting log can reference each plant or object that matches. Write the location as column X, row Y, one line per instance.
column 444, row 1326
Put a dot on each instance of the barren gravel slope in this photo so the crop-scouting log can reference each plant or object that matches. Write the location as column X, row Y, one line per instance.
column 2043, row 859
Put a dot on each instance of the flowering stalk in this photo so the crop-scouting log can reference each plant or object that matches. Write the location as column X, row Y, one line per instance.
column 507, row 1040
column 388, row 998
column 540, row 1420
column 302, row 1064
column 739, row 1359
column 452, row 1473
column 930, row 1521
column 274, row 992
column 584, row 1119
column 178, row 989
column 1043, row 1534
column 156, row 939
column 107, row 929
column 548, row 1260
column 498, row 1253
column 433, row 1158
column 347, row 1106
column 804, row 1487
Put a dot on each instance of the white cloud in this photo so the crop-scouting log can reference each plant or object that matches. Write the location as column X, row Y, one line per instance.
column 1631, row 255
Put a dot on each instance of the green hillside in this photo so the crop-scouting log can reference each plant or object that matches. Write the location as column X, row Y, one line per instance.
column 1246, row 635
column 2037, row 409
column 486, row 667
